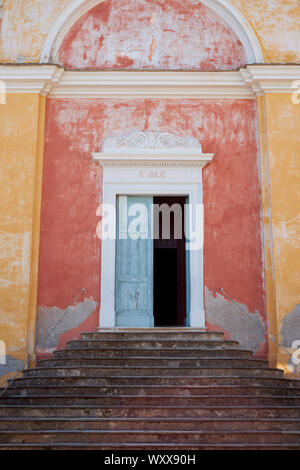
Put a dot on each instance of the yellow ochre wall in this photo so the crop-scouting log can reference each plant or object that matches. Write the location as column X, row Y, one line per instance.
column 26, row 23
column 283, row 146
column 20, row 188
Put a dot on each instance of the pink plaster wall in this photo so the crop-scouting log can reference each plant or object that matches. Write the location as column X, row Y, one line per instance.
column 70, row 251
column 152, row 34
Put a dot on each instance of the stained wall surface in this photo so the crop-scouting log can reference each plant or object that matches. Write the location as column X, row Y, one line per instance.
column 164, row 35
column 250, row 192
column 19, row 166
column 70, row 251
column 26, row 24
column 282, row 126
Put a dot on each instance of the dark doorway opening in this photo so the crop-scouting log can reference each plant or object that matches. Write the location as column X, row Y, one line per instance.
column 170, row 264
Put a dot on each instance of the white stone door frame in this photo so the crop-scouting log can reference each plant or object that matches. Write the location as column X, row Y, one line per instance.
column 151, row 164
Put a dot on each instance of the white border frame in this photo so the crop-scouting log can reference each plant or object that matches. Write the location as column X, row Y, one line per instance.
column 121, row 178
column 224, row 8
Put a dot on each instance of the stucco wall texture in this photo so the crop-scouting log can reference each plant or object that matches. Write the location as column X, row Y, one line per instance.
column 251, row 192
column 283, row 124
column 26, row 24
column 163, row 35
column 70, row 250
column 19, row 225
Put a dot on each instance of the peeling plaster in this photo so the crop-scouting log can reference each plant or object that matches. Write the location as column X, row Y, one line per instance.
column 290, row 328
column 158, row 35
column 276, row 23
column 12, row 365
column 47, row 335
column 233, row 248
column 246, row 328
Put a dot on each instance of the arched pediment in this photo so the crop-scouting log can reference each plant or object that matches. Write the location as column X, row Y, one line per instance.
column 113, row 34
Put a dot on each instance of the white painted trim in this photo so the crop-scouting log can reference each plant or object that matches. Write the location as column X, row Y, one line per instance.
column 152, row 149
column 132, row 188
column 159, row 160
column 151, row 84
column 241, row 26
column 271, row 79
column 223, row 8
column 122, row 175
column 30, row 79
column 55, row 82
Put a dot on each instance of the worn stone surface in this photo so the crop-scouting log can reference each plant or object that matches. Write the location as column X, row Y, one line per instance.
column 290, row 328
column 53, row 322
column 12, row 365
column 241, row 401
column 242, row 325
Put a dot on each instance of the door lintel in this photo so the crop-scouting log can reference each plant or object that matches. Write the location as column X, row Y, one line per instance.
column 156, row 164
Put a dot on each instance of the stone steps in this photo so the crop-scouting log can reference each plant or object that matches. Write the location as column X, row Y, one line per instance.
column 176, row 391
column 152, row 353
column 115, row 371
column 160, row 382
column 154, row 334
column 148, row 446
column 155, row 400
column 184, row 424
column 166, row 362
column 94, row 411
column 124, row 344
column 150, row 437
column 151, row 389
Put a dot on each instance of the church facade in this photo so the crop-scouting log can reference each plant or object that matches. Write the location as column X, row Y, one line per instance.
column 112, row 108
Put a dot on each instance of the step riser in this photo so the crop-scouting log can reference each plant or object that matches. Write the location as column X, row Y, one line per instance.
column 148, row 353
column 119, row 391
column 112, row 425
column 153, row 345
column 148, row 447
column 157, row 382
column 153, row 401
column 154, row 336
column 150, row 362
column 156, row 438
column 159, row 412
column 172, row 372
column 154, row 389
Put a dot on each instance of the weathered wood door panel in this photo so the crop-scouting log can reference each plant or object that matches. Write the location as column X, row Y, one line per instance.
column 134, row 262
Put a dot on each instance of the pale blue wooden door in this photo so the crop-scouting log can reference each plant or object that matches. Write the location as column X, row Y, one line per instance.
column 134, row 262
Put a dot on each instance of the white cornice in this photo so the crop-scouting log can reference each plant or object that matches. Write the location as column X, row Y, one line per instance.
column 152, row 149
column 55, row 82
column 30, row 79
column 145, row 159
column 152, row 84
column 271, row 78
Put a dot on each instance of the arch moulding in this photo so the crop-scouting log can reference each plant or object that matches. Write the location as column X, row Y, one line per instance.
column 223, row 8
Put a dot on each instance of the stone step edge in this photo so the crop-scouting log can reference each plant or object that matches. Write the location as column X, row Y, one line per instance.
column 279, row 397
column 147, row 340
column 156, row 349
column 160, row 358
column 150, row 431
column 152, row 367
column 143, row 445
column 150, row 330
column 163, row 419
column 183, row 387
column 157, row 377
column 151, row 407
